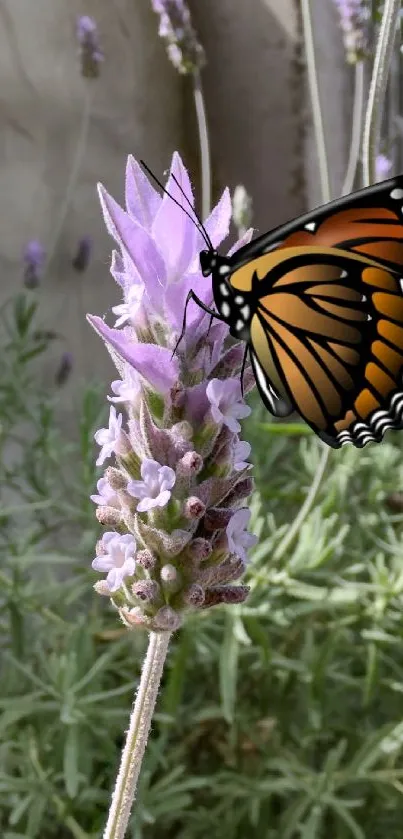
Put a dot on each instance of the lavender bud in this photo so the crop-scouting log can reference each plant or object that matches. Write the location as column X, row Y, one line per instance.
column 91, row 55
column 64, row 369
column 194, row 595
column 101, row 587
column 167, row 619
column 34, row 258
column 147, row 590
column 193, row 508
column 146, row 559
column 100, row 549
column 241, row 490
column 186, row 469
column 199, row 550
column 108, row 516
column 116, row 479
column 217, row 518
column 170, row 578
column 225, row 594
column 83, row 255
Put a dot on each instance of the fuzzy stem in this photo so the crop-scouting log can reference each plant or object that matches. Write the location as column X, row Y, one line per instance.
column 315, row 100
column 358, row 110
column 383, row 57
column 73, row 176
column 204, row 146
column 137, row 735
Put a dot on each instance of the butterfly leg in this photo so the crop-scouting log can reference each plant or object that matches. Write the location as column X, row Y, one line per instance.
column 195, row 298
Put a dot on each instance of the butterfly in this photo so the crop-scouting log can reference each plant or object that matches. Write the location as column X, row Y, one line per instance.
column 319, row 304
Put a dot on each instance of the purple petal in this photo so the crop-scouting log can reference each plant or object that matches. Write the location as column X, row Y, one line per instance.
column 133, row 239
column 218, row 222
column 174, row 231
column 142, row 200
column 243, row 240
column 154, row 363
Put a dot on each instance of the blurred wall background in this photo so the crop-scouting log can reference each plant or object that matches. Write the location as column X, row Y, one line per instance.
column 258, row 113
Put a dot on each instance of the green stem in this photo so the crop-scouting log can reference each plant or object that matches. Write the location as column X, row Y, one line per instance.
column 377, row 89
column 356, row 132
column 315, row 100
column 305, row 509
column 137, row 736
column 324, row 177
column 204, row 146
column 73, row 176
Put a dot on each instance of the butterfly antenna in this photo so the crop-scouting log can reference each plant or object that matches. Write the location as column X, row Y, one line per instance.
column 199, row 225
column 196, row 215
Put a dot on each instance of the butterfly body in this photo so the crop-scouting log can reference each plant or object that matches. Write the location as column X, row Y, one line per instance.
column 319, row 303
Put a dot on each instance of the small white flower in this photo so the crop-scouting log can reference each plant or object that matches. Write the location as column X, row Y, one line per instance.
column 126, row 389
column 226, row 407
column 239, row 540
column 118, row 560
column 155, row 488
column 107, row 496
column 240, row 453
column 108, row 438
column 127, row 311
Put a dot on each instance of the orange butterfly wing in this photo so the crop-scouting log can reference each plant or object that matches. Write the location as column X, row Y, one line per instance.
column 327, row 334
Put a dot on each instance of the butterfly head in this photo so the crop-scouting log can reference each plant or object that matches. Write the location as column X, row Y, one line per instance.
column 232, row 306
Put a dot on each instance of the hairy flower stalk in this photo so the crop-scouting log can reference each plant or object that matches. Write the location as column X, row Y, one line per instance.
column 174, row 502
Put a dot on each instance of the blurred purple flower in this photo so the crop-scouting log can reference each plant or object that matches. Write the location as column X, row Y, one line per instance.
column 354, row 22
column 91, row 54
column 382, row 167
column 64, row 369
column 34, row 259
column 183, row 48
column 83, row 255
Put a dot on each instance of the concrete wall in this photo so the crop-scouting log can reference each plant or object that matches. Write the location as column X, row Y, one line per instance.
column 257, row 110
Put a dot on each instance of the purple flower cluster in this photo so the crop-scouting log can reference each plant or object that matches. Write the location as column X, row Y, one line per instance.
column 184, row 50
column 383, row 167
column 91, row 54
column 354, row 22
column 174, row 500
column 34, row 260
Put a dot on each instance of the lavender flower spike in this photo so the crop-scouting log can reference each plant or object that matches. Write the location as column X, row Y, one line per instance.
column 177, row 490
column 183, row 48
column 354, row 22
column 34, row 259
column 91, row 54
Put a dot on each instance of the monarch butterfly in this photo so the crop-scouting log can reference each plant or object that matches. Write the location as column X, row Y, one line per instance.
column 319, row 303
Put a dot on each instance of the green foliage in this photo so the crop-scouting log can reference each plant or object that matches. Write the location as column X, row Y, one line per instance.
column 281, row 718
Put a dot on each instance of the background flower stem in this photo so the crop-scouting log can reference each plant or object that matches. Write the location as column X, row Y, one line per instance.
column 315, row 100
column 377, row 89
column 73, row 176
column 356, row 130
column 205, row 162
column 137, row 736
column 325, row 185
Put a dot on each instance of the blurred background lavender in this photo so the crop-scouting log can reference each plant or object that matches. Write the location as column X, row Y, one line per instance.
column 283, row 720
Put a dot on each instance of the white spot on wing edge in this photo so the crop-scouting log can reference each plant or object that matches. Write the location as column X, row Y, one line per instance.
column 261, row 380
column 310, row 226
column 396, row 193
